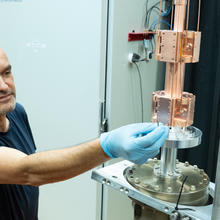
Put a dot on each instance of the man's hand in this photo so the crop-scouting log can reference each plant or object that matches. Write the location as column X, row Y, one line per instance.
column 134, row 142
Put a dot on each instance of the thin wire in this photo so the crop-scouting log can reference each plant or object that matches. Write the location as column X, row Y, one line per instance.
column 141, row 91
column 199, row 15
column 171, row 25
column 162, row 15
column 156, row 23
column 180, row 194
column 187, row 21
column 148, row 14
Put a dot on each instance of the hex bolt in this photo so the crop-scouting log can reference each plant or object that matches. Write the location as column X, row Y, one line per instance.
column 195, row 167
column 169, row 189
column 202, row 172
column 177, row 161
column 157, row 188
column 174, row 215
column 186, row 164
column 137, row 180
column 144, row 184
column 192, row 187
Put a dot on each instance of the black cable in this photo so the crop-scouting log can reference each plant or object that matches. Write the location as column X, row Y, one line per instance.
column 180, row 194
column 141, row 91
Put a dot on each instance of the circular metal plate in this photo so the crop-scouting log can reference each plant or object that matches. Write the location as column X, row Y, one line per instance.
column 181, row 138
column 195, row 191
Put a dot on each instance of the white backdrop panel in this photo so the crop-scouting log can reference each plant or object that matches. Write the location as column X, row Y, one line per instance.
column 54, row 49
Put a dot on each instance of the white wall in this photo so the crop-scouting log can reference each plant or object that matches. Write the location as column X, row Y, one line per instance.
column 55, row 49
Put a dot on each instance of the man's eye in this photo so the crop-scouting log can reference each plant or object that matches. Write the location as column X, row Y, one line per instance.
column 7, row 73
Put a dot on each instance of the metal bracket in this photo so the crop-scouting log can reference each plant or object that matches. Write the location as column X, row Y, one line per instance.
column 113, row 176
column 103, row 119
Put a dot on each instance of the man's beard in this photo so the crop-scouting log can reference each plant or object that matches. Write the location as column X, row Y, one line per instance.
column 10, row 106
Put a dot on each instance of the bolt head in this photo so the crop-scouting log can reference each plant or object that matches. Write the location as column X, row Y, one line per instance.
column 157, row 188
column 169, row 189
column 192, row 187
column 195, row 167
column 137, row 180
column 186, row 163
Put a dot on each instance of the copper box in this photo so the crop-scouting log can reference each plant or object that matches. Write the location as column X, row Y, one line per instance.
column 173, row 111
column 174, row 47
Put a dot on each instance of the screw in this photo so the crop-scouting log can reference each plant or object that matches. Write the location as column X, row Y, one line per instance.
column 126, row 191
column 121, row 189
column 166, row 209
column 108, row 183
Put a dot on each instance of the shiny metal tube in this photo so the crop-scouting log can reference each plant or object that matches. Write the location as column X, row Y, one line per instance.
column 168, row 161
column 216, row 204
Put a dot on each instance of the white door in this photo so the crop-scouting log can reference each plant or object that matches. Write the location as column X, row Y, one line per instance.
column 55, row 49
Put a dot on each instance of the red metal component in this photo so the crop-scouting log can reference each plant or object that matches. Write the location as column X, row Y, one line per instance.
column 148, row 35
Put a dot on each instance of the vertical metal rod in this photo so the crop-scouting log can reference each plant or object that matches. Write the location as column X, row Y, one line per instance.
column 168, row 161
column 187, row 20
column 171, row 24
column 216, row 204
column 199, row 15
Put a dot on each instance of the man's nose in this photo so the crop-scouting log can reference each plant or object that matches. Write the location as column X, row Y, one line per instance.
column 3, row 84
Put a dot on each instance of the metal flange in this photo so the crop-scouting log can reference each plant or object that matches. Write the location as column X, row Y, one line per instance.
column 182, row 138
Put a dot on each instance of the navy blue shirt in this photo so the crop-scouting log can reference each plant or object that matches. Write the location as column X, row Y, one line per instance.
column 18, row 202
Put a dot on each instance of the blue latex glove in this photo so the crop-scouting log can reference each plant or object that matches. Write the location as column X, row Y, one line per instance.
column 134, row 142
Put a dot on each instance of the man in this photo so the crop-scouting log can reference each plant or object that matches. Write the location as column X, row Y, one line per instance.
column 22, row 170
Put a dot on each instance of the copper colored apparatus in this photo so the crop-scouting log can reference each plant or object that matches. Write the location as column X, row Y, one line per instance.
column 176, row 47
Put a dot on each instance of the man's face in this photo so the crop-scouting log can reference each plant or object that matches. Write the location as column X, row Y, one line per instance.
column 7, row 87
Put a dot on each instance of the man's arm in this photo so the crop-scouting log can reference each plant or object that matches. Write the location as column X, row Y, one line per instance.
column 49, row 166
column 135, row 142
